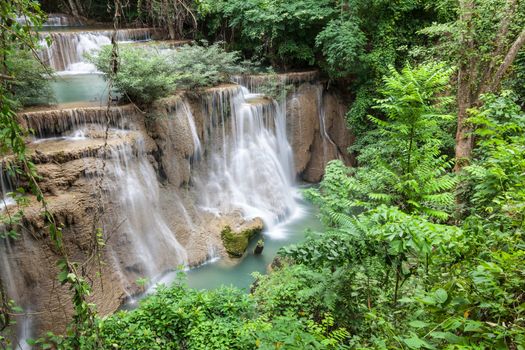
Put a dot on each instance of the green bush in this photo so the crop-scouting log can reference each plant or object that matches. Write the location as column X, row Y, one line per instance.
column 30, row 85
column 147, row 74
column 181, row 318
column 143, row 76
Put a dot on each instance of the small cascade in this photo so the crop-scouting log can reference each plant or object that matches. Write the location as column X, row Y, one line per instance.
column 249, row 162
column 62, row 20
column 183, row 128
column 134, row 194
column 5, row 188
column 8, row 274
column 54, row 20
column 67, row 50
column 57, row 122
column 257, row 82
column 326, row 139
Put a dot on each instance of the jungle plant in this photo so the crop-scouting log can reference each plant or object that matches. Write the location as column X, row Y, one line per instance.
column 402, row 164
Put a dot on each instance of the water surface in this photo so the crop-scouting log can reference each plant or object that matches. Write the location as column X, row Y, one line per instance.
column 238, row 272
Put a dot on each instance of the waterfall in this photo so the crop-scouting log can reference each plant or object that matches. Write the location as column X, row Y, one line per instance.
column 9, row 276
column 58, row 122
column 249, row 162
column 61, row 20
column 322, row 126
column 5, row 188
column 132, row 182
column 54, row 20
column 66, row 52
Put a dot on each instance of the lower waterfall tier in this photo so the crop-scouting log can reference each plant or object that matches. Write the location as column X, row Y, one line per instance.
column 163, row 186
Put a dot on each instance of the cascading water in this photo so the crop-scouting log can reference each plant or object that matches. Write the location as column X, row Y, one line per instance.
column 58, row 122
column 322, row 125
column 61, row 20
column 249, row 166
column 8, row 274
column 67, row 50
column 133, row 182
column 54, row 20
column 5, row 188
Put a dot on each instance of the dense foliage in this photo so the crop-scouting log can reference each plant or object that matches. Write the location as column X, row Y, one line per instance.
column 146, row 74
column 415, row 256
column 183, row 318
column 417, row 284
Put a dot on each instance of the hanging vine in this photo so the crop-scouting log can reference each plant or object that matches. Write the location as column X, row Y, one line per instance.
column 21, row 36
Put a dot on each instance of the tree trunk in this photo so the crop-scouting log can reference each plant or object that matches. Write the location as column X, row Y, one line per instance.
column 464, row 140
column 472, row 83
column 172, row 31
column 463, row 135
column 73, row 7
column 507, row 61
column 76, row 8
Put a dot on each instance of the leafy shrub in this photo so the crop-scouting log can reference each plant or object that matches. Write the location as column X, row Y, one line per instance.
column 147, row 74
column 206, row 65
column 401, row 164
column 178, row 317
column 143, row 76
column 342, row 43
column 30, row 84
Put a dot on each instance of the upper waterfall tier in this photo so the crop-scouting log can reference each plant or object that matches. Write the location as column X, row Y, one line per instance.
column 255, row 82
column 62, row 20
column 67, row 49
column 55, row 20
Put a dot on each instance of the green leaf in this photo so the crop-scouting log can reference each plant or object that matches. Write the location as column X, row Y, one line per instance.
column 441, row 295
column 418, row 324
column 416, row 343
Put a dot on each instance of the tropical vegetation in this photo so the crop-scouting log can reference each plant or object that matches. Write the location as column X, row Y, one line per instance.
column 423, row 243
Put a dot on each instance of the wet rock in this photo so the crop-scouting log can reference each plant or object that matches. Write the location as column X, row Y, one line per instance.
column 236, row 240
column 259, row 247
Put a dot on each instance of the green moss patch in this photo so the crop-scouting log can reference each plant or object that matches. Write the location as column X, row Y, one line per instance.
column 237, row 243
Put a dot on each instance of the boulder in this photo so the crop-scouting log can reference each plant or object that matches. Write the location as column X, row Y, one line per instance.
column 236, row 240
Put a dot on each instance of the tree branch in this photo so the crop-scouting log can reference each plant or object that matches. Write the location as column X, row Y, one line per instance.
column 499, row 42
column 507, row 61
column 6, row 77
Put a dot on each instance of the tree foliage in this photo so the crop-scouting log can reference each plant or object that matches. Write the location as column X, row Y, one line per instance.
column 146, row 74
column 401, row 164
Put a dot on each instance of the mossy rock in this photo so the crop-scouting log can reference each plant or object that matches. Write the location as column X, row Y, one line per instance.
column 259, row 248
column 237, row 243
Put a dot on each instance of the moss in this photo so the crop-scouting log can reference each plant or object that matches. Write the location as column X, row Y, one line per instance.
column 237, row 243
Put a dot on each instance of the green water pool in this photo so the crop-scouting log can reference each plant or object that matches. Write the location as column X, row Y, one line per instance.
column 238, row 272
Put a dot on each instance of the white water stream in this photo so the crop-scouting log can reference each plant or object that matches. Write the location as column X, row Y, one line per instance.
column 67, row 51
column 249, row 161
column 134, row 185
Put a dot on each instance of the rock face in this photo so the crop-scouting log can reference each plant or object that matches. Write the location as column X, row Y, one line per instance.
column 136, row 177
column 318, row 130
